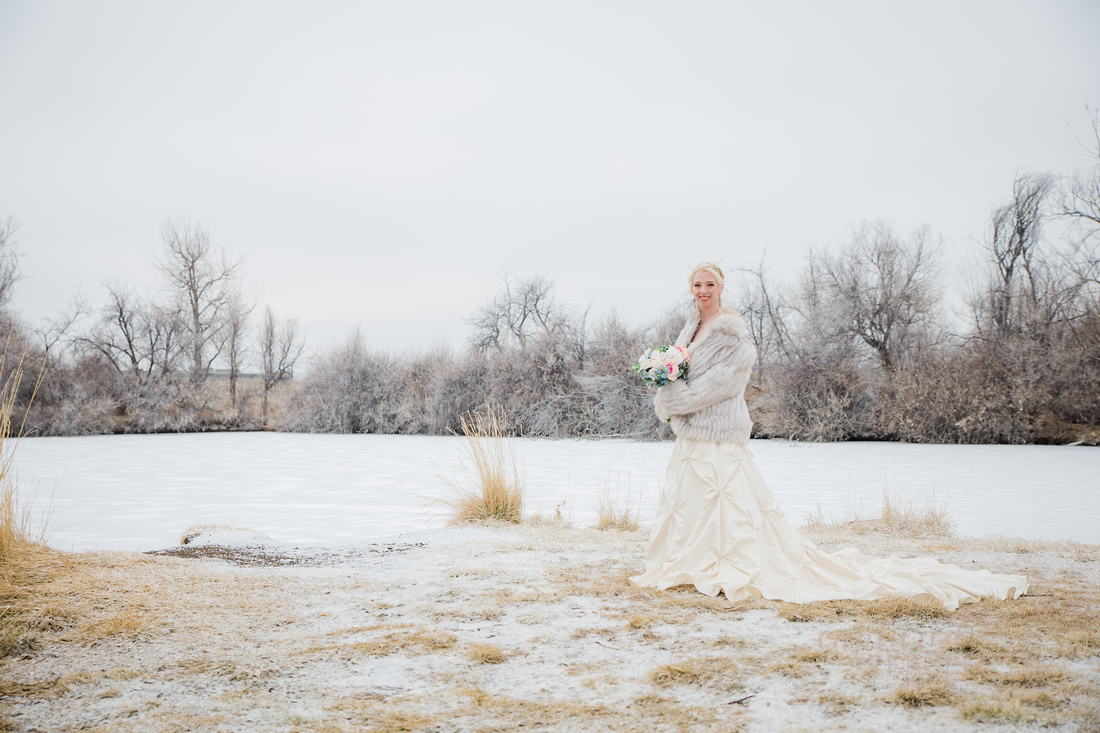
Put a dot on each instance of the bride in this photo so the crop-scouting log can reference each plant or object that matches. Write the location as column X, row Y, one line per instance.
column 718, row 526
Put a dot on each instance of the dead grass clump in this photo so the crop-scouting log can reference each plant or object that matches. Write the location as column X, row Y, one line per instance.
column 799, row 662
column 1041, row 675
column 805, row 612
column 898, row 517
column 816, row 656
column 1065, row 623
column 128, row 622
column 482, row 653
column 508, row 713
column 614, row 511
column 1079, row 643
column 497, row 493
column 691, row 599
column 919, row 607
column 646, row 620
column 973, row 645
column 1011, row 708
column 381, row 717
column 17, row 534
column 786, row 668
column 26, row 563
column 424, row 642
column 543, row 518
column 836, row 702
column 924, row 691
column 901, row 517
column 718, row 672
column 731, row 641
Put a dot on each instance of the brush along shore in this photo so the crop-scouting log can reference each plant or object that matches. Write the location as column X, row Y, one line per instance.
column 498, row 627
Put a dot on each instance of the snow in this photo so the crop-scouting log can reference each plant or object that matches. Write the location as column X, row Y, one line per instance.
column 140, row 492
column 312, row 646
column 292, row 610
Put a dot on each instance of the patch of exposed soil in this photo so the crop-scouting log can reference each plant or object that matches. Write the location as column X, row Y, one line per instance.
column 268, row 557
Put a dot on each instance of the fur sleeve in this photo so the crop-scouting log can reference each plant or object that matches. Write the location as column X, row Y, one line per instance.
column 717, row 383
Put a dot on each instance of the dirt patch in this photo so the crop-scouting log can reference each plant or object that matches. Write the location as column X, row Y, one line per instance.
column 270, row 558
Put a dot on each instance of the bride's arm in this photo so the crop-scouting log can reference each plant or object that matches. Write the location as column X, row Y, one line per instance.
column 720, row 382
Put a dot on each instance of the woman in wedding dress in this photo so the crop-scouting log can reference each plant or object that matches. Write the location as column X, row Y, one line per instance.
column 718, row 526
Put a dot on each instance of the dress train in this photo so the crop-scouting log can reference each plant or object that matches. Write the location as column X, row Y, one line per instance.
column 719, row 528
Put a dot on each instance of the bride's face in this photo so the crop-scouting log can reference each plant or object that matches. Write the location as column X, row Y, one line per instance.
column 705, row 290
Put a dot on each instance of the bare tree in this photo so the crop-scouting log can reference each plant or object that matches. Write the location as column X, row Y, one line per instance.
column 1013, row 245
column 523, row 307
column 201, row 274
column 280, row 347
column 55, row 329
column 1081, row 197
column 880, row 289
column 1080, row 202
column 238, row 309
column 136, row 337
column 9, row 260
column 767, row 312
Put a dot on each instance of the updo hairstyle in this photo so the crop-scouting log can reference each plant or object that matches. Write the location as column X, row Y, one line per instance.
column 711, row 268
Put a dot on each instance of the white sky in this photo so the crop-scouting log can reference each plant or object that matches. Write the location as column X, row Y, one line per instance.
column 379, row 163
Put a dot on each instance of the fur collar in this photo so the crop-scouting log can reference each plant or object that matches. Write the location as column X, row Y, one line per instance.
column 731, row 323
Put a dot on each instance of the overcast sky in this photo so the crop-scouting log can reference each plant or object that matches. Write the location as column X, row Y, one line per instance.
column 381, row 163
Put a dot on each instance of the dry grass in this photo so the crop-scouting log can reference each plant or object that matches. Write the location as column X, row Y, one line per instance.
column 716, row 665
column 391, row 641
column 545, row 518
column 1040, row 675
column 25, row 561
column 482, row 653
column 924, row 691
column 919, row 607
column 17, row 534
column 718, row 672
column 497, row 492
column 837, row 703
column 916, row 607
column 616, row 511
column 1013, row 707
column 637, row 621
column 897, row 516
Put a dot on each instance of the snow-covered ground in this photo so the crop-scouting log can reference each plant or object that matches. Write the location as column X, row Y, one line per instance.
column 139, row 492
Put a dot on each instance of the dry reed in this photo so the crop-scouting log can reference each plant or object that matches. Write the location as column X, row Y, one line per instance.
column 25, row 561
column 897, row 516
column 615, row 515
column 17, row 535
column 497, row 492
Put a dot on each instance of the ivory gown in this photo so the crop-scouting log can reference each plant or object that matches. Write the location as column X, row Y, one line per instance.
column 719, row 528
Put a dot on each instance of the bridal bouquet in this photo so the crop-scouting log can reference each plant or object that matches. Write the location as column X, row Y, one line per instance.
column 662, row 365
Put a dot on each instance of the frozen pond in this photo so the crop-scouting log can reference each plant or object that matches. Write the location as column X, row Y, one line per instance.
column 140, row 492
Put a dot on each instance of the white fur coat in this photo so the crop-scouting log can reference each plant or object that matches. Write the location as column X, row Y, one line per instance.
column 710, row 404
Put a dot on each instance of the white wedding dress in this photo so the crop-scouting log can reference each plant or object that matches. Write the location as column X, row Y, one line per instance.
column 719, row 528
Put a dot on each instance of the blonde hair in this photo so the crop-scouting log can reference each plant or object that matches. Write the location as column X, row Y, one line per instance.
column 709, row 267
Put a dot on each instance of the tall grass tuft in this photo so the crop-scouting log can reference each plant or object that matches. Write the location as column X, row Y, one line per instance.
column 17, row 535
column 614, row 512
column 898, row 516
column 25, row 560
column 495, row 490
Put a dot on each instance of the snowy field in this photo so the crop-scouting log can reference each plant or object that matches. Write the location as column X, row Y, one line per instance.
column 140, row 492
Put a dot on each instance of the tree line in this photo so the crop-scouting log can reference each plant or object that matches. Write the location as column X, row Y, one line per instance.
column 146, row 363
column 859, row 346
